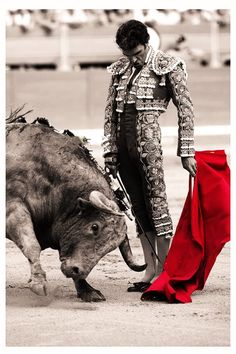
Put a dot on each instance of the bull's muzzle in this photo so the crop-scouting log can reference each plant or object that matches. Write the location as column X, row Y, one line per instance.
column 72, row 270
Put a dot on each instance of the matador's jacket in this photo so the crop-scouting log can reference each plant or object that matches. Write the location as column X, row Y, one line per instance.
column 161, row 79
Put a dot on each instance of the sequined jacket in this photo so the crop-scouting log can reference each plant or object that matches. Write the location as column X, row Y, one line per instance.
column 163, row 78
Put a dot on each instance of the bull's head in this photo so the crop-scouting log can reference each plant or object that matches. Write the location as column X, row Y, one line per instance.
column 98, row 229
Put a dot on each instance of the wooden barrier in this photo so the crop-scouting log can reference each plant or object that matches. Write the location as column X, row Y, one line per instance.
column 76, row 100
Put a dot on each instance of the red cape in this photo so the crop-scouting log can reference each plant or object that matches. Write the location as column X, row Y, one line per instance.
column 202, row 231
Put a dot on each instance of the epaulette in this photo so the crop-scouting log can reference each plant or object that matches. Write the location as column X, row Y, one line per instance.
column 162, row 63
column 119, row 66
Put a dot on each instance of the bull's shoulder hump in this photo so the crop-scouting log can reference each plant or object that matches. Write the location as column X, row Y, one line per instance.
column 40, row 132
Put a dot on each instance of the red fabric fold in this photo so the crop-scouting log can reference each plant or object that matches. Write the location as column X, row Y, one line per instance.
column 201, row 233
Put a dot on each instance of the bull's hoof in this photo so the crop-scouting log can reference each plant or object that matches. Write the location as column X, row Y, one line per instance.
column 86, row 292
column 38, row 287
column 91, row 296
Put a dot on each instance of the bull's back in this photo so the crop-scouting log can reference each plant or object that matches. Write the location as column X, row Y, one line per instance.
column 40, row 160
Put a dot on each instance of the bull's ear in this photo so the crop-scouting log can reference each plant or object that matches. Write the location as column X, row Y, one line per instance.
column 83, row 204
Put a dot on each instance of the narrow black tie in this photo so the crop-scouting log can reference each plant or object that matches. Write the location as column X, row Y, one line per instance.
column 135, row 73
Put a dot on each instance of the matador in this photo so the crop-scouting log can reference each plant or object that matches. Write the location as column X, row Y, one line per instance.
column 142, row 84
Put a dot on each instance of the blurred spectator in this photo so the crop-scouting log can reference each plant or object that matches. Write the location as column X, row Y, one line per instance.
column 97, row 17
column 22, row 19
column 181, row 48
column 47, row 20
column 223, row 17
column 168, row 17
column 118, row 16
column 194, row 16
column 74, row 18
column 220, row 16
column 158, row 17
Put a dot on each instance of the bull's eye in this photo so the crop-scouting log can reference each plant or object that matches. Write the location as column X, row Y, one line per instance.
column 95, row 228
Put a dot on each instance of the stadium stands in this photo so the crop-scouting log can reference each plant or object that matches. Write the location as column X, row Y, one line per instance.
column 71, row 39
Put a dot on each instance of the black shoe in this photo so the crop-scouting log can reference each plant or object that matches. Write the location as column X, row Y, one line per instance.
column 139, row 287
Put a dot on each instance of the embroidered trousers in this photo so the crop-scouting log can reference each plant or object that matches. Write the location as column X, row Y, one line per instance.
column 139, row 181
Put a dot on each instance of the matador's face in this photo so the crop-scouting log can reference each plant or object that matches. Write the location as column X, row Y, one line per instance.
column 137, row 55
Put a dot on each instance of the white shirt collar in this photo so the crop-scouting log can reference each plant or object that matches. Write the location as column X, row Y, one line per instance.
column 146, row 61
column 148, row 54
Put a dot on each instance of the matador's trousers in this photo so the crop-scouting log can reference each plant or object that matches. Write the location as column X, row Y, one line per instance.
column 135, row 180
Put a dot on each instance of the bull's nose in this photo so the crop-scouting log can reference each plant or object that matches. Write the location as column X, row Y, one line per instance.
column 70, row 271
column 75, row 270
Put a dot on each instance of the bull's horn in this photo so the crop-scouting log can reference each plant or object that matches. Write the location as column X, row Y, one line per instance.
column 128, row 257
column 100, row 201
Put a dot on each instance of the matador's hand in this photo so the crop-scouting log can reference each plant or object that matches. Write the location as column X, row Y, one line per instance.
column 111, row 164
column 189, row 163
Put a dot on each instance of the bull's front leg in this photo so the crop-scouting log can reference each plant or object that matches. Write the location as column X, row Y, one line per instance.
column 20, row 230
column 86, row 292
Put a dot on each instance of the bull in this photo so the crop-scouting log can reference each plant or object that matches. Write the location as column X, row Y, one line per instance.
column 58, row 197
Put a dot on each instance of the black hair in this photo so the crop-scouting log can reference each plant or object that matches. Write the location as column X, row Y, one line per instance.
column 130, row 34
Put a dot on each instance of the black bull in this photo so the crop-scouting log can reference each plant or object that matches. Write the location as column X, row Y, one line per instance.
column 58, row 197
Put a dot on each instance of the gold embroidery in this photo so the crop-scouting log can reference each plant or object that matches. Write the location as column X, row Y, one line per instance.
column 148, row 139
column 182, row 100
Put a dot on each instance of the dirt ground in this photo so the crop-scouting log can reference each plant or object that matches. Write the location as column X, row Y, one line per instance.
column 60, row 319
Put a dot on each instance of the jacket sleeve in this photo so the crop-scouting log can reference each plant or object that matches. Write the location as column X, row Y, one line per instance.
column 182, row 100
column 109, row 142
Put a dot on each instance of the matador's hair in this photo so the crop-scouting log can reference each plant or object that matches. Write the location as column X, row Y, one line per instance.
column 130, row 34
